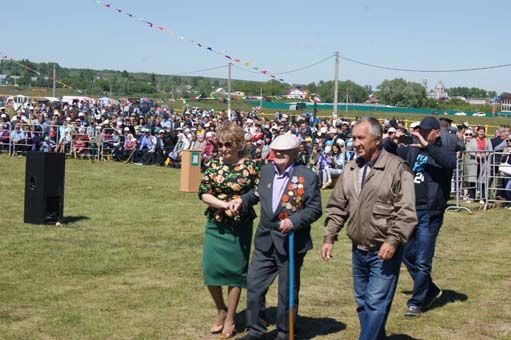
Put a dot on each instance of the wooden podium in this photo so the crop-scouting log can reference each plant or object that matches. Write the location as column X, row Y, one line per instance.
column 190, row 171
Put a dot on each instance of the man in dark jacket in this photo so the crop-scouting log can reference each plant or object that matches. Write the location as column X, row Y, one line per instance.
column 290, row 201
column 430, row 161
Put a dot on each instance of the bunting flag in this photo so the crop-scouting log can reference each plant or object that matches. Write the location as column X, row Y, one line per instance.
column 161, row 28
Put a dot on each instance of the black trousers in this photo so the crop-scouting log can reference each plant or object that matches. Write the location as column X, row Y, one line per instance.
column 264, row 268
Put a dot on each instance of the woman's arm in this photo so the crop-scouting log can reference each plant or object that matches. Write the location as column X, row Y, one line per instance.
column 214, row 202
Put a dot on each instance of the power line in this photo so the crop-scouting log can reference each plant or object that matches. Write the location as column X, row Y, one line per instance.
column 202, row 70
column 306, row 67
column 426, row 71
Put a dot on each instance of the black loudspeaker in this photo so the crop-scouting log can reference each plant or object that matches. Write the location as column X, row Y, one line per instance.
column 44, row 187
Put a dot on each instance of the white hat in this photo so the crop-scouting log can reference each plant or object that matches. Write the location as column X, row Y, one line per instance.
column 3, row 115
column 250, row 120
column 126, row 128
column 414, row 125
column 340, row 142
column 285, row 142
column 68, row 119
column 332, row 130
column 391, row 130
column 323, row 129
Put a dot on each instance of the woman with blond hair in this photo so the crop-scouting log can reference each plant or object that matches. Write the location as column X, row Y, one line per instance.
column 228, row 235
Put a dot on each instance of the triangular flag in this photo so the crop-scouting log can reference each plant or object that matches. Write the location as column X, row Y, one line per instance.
column 264, row 71
column 199, row 45
column 108, row 5
column 247, row 64
column 228, row 57
column 209, row 48
column 237, row 60
column 118, row 10
column 130, row 15
column 161, row 28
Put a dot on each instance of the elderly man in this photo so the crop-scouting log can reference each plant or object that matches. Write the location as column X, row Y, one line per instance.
column 375, row 194
column 290, row 201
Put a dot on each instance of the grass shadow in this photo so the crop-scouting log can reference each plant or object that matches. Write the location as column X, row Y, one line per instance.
column 73, row 219
column 401, row 337
column 306, row 327
column 448, row 296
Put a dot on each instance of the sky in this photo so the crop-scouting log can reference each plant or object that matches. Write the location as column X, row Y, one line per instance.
column 274, row 35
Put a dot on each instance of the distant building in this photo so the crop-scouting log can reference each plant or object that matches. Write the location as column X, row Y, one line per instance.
column 477, row 101
column 296, row 93
column 439, row 93
column 3, row 79
column 221, row 92
column 505, row 105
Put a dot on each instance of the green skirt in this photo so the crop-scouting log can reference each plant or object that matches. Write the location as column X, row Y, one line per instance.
column 226, row 253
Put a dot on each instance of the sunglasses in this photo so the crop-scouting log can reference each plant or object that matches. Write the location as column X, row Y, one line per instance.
column 468, row 135
column 226, row 144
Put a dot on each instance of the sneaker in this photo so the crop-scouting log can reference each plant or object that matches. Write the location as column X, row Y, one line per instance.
column 434, row 294
column 481, row 202
column 412, row 311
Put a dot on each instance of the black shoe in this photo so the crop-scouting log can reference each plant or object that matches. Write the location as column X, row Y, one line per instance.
column 412, row 311
column 434, row 294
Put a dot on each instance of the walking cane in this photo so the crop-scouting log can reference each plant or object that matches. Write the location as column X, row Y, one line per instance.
column 291, row 285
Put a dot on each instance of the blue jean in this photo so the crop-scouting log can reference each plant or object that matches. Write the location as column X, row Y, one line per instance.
column 418, row 255
column 374, row 285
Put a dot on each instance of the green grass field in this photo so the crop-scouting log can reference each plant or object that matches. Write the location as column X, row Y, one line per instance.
column 126, row 265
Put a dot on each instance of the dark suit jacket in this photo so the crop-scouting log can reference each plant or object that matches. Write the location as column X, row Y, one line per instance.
column 267, row 233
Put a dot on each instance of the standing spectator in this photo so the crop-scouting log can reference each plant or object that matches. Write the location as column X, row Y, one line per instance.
column 469, row 167
column 481, row 145
column 431, row 161
column 375, row 196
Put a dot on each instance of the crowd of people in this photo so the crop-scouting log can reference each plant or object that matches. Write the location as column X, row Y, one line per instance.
column 131, row 132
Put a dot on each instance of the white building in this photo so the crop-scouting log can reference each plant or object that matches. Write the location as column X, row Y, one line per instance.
column 505, row 105
column 296, row 93
column 439, row 92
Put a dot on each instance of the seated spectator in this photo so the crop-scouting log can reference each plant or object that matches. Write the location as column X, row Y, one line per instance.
column 64, row 144
column 81, row 140
column 175, row 155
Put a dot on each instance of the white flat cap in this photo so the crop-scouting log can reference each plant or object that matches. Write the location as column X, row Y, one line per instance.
column 285, row 142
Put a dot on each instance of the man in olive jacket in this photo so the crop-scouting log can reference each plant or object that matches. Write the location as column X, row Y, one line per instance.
column 375, row 194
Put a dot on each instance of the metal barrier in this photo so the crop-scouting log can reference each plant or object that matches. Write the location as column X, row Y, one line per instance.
column 477, row 178
column 5, row 137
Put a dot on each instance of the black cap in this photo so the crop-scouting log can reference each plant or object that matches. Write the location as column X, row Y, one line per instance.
column 448, row 120
column 429, row 123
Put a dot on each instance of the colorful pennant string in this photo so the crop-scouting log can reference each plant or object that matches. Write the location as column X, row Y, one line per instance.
column 5, row 57
column 161, row 28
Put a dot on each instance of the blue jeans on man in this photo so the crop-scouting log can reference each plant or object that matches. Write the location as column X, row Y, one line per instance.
column 374, row 285
column 418, row 257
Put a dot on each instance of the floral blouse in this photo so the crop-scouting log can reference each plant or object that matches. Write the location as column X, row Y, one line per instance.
column 225, row 182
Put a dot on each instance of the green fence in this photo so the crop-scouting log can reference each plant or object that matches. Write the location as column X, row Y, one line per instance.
column 357, row 107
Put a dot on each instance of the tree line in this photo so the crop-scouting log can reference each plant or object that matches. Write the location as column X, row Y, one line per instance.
column 395, row 92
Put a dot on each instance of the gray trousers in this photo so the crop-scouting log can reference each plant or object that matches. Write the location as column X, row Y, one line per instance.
column 264, row 268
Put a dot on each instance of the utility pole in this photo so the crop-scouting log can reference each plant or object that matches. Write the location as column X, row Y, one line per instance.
column 172, row 92
column 54, row 81
column 347, row 98
column 336, row 84
column 229, row 93
column 261, row 99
